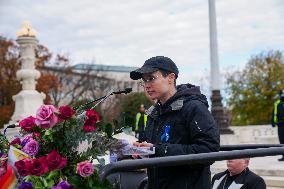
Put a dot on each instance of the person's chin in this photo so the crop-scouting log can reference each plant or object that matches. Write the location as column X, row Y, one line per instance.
column 153, row 97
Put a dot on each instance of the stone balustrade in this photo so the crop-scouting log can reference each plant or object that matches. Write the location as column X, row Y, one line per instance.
column 251, row 134
column 257, row 134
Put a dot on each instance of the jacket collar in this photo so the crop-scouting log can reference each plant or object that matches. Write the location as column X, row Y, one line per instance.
column 157, row 109
column 236, row 184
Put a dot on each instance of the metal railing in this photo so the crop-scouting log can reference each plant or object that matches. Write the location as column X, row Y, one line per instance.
column 248, row 146
column 225, row 153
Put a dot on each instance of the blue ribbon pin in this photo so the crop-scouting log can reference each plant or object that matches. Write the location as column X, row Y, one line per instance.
column 166, row 136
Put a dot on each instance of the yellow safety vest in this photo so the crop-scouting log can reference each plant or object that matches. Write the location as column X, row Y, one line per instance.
column 138, row 115
column 275, row 119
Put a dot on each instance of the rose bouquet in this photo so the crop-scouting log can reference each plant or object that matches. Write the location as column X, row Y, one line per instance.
column 53, row 151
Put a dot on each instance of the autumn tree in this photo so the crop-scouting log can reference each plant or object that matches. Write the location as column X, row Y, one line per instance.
column 9, row 86
column 9, row 65
column 59, row 81
column 253, row 90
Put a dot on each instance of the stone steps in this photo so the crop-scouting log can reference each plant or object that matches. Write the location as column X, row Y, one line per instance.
column 274, row 181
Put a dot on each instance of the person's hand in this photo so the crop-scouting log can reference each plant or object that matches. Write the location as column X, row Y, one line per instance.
column 137, row 144
column 146, row 144
column 143, row 144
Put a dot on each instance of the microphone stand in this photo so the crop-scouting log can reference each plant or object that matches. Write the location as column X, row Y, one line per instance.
column 77, row 108
column 101, row 99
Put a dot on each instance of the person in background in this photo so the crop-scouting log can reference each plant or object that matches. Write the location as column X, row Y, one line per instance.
column 178, row 124
column 237, row 176
column 278, row 119
column 140, row 123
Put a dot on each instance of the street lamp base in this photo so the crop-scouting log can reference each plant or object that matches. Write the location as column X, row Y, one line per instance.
column 218, row 113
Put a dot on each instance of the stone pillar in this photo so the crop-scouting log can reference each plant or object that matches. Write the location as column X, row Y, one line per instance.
column 217, row 108
column 28, row 100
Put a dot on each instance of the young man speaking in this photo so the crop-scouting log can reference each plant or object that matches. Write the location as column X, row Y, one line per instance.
column 178, row 124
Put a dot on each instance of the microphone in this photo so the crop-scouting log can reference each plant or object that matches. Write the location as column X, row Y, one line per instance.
column 9, row 127
column 125, row 91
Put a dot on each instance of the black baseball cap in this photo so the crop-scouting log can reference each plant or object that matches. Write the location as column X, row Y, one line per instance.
column 154, row 64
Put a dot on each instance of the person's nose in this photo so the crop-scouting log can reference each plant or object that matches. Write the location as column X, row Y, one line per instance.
column 147, row 85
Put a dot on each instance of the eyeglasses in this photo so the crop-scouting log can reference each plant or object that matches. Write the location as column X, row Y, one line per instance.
column 149, row 79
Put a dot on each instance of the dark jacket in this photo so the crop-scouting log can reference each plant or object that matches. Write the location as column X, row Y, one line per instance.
column 192, row 130
column 277, row 119
column 279, row 108
column 246, row 180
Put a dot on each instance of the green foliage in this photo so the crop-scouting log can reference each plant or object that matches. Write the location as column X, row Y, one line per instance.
column 130, row 105
column 89, row 182
column 253, row 90
column 50, row 179
column 38, row 182
column 4, row 144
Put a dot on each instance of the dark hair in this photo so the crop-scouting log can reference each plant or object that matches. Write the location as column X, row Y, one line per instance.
column 165, row 73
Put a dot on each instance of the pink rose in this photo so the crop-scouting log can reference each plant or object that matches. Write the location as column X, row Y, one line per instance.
column 45, row 116
column 37, row 135
column 92, row 118
column 85, row 168
column 55, row 161
column 16, row 141
column 65, row 112
column 23, row 167
column 87, row 128
column 93, row 115
column 31, row 147
column 89, row 125
column 38, row 166
column 28, row 123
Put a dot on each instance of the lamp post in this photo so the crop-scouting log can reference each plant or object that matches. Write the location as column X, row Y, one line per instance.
column 217, row 108
column 28, row 100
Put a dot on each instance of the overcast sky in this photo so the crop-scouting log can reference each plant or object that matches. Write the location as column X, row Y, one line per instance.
column 127, row 32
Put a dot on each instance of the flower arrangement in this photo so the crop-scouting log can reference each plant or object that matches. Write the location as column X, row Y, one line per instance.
column 50, row 144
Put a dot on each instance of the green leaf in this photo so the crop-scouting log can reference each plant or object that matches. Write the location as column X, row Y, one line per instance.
column 75, row 180
column 108, row 129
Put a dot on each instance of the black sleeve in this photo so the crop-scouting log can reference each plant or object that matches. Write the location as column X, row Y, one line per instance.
column 258, row 184
column 204, row 134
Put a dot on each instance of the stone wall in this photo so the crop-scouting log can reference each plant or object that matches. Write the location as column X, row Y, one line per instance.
column 251, row 134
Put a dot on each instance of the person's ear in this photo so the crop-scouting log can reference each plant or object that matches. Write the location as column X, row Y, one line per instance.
column 171, row 77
